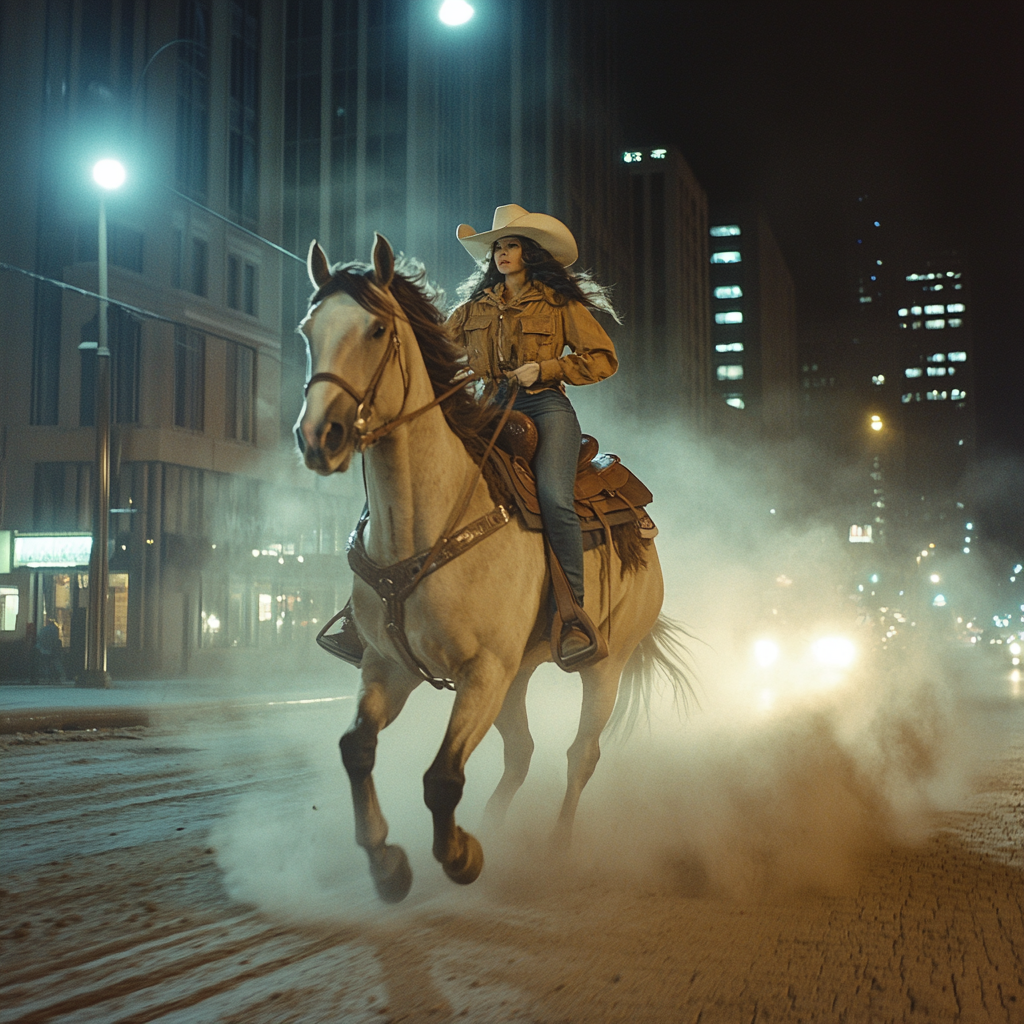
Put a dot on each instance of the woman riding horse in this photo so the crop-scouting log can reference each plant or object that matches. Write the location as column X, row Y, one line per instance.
column 524, row 310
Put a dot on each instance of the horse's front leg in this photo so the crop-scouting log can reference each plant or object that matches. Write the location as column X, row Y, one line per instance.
column 478, row 699
column 382, row 697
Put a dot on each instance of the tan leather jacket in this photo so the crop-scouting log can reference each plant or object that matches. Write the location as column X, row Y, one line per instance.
column 501, row 335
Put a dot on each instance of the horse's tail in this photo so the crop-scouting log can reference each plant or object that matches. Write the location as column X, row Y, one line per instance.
column 663, row 653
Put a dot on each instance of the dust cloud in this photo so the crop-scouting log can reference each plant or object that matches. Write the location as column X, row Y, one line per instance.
column 785, row 777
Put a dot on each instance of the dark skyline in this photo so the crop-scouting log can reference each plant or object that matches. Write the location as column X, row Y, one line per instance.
column 801, row 107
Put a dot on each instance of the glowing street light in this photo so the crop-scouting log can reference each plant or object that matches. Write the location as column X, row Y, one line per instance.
column 109, row 175
column 455, row 12
column 876, row 422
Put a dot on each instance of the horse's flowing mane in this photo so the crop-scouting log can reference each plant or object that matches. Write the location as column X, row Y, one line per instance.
column 472, row 421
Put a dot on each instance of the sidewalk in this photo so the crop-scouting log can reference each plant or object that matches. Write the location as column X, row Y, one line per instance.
column 128, row 703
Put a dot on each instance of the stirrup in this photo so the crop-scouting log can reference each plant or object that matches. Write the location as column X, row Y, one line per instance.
column 583, row 657
column 344, row 643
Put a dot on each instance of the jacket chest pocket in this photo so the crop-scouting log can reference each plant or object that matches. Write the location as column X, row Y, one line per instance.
column 538, row 338
column 477, row 329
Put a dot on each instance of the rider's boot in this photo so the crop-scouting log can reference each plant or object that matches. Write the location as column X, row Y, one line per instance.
column 579, row 642
column 344, row 643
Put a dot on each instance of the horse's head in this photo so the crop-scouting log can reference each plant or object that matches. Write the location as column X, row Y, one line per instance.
column 352, row 336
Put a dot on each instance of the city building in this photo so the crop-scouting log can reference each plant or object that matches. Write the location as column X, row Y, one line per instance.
column 937, row 399
column 753, row 321
column 212, row 522
column 667, row 338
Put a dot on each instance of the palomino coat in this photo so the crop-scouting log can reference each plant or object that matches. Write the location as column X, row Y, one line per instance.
column 534, row 327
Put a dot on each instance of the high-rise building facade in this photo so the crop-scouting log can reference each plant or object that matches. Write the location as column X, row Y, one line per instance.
column 937, row 396
column 666, row 341
column 753, row 320
column 207, row 537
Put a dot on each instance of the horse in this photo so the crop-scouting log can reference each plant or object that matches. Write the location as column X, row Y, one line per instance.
column 384, row 380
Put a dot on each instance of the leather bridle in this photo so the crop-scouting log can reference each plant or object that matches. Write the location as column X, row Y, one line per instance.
column 365, row 438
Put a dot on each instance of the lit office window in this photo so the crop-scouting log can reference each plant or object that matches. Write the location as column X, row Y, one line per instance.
column 725, row 230
column 955, row 321
column 937, row 357
column 916, row 310
column 915, row 325
column 934, row 325
column 729, row 291
column 731, row 346
column 659, row 154
column 632, row 157
column 731, row 371
column 936, row 396
column 726, row 257
column 912, row 371
column 957, row 287
column 902, row 312
column 936, row 371
column 865, row 298
column 955, row 307
column 907, row 396
column 933, row 287
column 957, row 396
column 878, row 379
column 958, row 357
column 733, row 316
column 735, row 401
column 931, row 310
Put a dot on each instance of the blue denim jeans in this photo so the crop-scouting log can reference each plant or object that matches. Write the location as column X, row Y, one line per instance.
column 554, row 465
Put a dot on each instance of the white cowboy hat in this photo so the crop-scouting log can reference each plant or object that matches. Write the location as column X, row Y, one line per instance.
column 547, row 232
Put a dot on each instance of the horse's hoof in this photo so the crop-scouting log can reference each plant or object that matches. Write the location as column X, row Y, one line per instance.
column 466, row 868
column 392, row 875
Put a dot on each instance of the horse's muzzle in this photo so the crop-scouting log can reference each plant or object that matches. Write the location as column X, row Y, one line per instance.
column 323, row 446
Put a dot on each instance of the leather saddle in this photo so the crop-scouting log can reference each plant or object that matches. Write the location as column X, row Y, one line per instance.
column 606, row 492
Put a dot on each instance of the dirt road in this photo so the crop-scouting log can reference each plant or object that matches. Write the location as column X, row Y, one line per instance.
column 121, row 903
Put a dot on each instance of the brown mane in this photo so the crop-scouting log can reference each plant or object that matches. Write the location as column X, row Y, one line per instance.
column 472, row 421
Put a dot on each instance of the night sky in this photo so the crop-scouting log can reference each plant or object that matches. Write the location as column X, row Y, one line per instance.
column 800, row 107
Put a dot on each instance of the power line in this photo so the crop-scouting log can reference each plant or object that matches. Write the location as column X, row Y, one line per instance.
column 134, row 310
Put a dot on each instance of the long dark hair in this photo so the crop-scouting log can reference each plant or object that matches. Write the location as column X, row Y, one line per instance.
column 543, row 267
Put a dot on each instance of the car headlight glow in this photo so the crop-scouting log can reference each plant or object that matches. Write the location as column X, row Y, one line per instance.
column 766, row 652
column 834, row 651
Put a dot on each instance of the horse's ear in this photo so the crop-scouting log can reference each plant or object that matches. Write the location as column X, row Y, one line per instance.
column 383, row 261
column 317, row 267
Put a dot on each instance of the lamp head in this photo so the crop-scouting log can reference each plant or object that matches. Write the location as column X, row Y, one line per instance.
column 108, row 174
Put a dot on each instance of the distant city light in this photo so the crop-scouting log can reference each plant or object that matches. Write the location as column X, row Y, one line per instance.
column 939, row 601
column 109, row 174
column 876, row 422
column 632, row 157
column 455, row 12
column 659, row 154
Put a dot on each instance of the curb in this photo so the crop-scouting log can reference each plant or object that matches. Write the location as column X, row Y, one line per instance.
column 72, row 719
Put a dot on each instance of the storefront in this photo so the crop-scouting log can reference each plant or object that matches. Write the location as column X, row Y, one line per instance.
column 44, row 579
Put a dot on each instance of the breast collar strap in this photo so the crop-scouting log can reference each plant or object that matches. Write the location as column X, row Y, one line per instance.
column 394, row 583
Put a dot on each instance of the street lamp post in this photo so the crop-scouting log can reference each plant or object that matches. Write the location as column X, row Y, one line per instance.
column 109, row 175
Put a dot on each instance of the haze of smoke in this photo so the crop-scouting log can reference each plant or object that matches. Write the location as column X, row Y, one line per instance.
column 741, row 798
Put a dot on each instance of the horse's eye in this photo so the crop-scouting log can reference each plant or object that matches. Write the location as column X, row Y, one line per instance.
column 378, row 331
